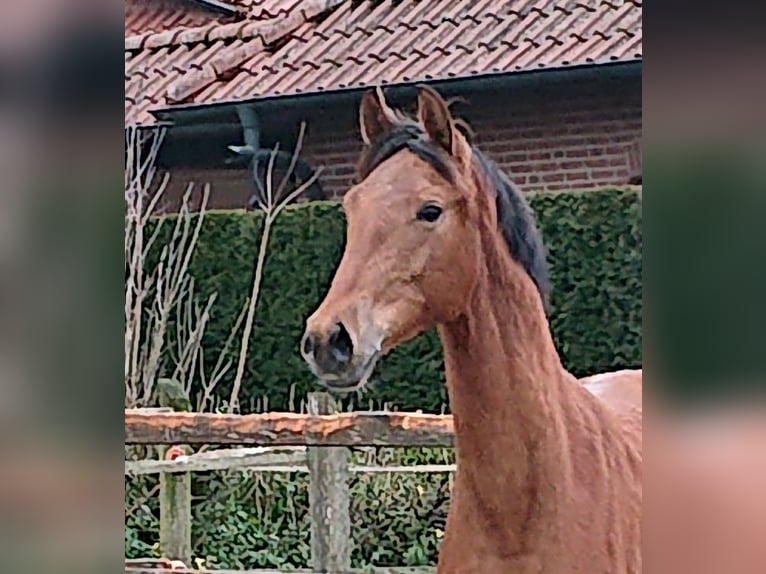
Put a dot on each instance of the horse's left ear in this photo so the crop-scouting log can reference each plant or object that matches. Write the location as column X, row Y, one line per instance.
column 437, row 120
column 375, row 116
column 435, row 117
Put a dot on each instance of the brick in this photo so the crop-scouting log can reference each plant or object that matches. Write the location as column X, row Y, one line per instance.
column 553, row 177
column 618, row 161
column 515, row 157
column 522, row 168
column 616, row 149
column 607, row 174
column 576, row 175
column 580, row 129
column 557, row 186
column 626, row 137
column 568, row 142
column 499, row 146
column 532, row 134
column 576, row 153
column 600, row 140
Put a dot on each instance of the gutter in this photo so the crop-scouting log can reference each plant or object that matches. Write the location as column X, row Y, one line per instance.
column 204, row 112
column 255, row 157
column 220, row 7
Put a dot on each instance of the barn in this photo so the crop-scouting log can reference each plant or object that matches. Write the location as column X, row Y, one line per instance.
column 551, row 88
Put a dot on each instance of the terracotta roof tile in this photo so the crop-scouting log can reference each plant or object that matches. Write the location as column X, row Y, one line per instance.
column 293, row 46
column 158, row 15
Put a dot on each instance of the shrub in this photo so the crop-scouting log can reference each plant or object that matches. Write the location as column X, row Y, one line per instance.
column 246, row 520
column 594, row 242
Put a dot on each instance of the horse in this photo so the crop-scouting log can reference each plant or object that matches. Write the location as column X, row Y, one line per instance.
column 548, row 474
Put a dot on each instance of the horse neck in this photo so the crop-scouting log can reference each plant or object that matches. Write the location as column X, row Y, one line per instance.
column 506, row 385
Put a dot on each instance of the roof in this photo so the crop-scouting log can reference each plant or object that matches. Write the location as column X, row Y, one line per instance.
column 283, row 47
column 161, row 15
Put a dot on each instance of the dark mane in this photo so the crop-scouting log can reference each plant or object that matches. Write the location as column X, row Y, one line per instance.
column 518, row 225
column 407, row 135
column 515, row 218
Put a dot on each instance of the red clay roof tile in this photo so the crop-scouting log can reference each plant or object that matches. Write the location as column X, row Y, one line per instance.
column 294, row 46
column 158, row 15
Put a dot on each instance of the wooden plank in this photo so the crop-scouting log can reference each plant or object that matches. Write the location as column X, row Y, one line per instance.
column 363, row 469
column 175, row 500
column 290, row 429
column 175, row 516
column 277, row 464
column 373, row 570
column 223, row 459
column 329, row 498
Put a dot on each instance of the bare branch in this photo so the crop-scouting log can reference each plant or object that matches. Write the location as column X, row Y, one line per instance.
column 271, row 209
column 293, row 160
column 161, row 302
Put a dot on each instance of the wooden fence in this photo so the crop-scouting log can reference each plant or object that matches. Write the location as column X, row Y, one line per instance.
column 317, row 443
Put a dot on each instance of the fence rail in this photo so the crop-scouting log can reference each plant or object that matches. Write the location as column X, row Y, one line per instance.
column 261, row 459
column 289, row 429
column 225, row 459
column 317, row 443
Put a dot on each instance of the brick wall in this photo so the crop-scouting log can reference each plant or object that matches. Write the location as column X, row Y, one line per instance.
column 543, row 140
column 229, row 188
column 554, row 137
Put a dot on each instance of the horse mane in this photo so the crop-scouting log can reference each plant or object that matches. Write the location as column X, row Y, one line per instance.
column 515, row 218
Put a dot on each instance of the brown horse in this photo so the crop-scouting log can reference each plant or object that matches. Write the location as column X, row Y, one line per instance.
column 548, row 474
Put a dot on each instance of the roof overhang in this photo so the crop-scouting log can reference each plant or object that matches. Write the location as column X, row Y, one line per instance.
column 217, row 111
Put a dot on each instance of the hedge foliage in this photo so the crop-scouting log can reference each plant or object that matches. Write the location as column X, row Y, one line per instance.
column 245, row 520
column 594, row 241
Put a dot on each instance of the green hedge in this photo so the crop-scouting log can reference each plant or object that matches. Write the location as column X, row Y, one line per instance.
column 594, row 241
column 247, row 520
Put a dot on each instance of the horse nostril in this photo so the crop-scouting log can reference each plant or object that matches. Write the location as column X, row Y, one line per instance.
column 308, row 344
column 328, row 352
column 340, row 343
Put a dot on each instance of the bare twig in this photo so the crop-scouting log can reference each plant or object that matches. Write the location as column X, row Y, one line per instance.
column 165, row 294
column 156, row 297
column 271, row 210
column 223, row 364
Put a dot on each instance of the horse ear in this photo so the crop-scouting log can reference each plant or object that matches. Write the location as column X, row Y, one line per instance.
column 435, row 117
column 441, row 127
column 375, row 116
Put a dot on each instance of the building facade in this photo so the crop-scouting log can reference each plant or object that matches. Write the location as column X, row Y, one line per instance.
column 553, row 92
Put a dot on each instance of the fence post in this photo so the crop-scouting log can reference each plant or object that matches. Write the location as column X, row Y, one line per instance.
column 328, row 498
column 175, row 491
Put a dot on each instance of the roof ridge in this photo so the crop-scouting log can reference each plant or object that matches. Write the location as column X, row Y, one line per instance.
column 266, row 32
column 243, row 30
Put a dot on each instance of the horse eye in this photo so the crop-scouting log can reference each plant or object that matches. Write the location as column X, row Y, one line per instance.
column 429, row 213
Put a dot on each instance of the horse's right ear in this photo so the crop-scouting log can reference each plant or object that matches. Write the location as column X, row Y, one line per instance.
column 375, row 116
